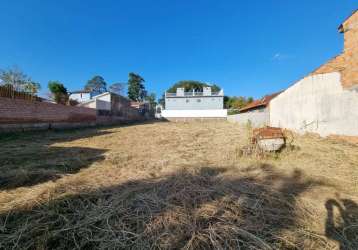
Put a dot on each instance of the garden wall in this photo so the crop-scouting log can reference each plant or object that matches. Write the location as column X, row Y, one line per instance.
column 25, row 111
column 24, row 115
column 256, row 119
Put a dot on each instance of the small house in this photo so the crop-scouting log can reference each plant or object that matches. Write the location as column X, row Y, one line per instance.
column 256, row 113
column 111, row 105
column 81, row 96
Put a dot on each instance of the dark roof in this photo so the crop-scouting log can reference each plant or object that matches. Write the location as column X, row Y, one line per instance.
column 340, row 28
column 80, row 91
column 263, row 102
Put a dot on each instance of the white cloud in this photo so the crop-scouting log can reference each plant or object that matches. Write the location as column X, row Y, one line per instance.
column 279, row 57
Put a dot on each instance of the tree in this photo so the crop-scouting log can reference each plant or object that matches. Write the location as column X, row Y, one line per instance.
column 161, row 100
column 236, row 102
column 117, row 88
column 18, row 80
column 96, row 84
column 32, row 87
column 151, row 99
column 59, row 92
column 190, row 85
column 136, row 89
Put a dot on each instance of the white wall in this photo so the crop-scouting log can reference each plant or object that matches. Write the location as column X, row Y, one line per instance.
column 317, row 104
column 212, row 113
column 91, row 104
column 80, row 97
column 100, row 102
column 194, row 103
column 257, row 119
column 103, row 101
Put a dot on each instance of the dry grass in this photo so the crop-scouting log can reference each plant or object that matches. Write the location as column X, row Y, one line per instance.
column 175, row 186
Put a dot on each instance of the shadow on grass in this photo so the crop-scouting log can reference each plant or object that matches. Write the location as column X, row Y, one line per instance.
column 342, row 223
column 194, row 208
column 30, row 158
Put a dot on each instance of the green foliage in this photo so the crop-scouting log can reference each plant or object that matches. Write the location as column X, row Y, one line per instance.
column 190, row 85
column 58, row 91
column 236, row 102
column 136, row 89
column 96, row 84
column 233, row 112
column 32, row 87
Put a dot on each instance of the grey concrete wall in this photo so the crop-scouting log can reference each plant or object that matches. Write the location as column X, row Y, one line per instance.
column 256, row 118
column 194, row 103
column 317, row 104
column 11, row 128
column 103, row 121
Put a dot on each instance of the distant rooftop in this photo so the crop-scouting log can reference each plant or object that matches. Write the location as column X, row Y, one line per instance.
column 263, row 102
column 80, row 91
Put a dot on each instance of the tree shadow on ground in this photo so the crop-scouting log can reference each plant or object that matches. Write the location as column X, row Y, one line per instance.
column 27, row 159
column 31, row 158
column 193, row 208
column 342, row 222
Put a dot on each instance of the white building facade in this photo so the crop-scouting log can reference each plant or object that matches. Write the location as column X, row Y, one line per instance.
column 205, row 104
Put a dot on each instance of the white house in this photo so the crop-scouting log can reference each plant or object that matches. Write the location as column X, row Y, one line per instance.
column 206, row 104
column 326, row 101
column 82, row 95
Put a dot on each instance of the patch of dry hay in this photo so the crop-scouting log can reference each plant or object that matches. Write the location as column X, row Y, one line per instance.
column 176, row 186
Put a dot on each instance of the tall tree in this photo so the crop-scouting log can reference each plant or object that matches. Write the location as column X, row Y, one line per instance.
column 136, row 89
column 96, row 84
column 117, row 88
column 17, row 79
column 59, row 92
column 151, row 99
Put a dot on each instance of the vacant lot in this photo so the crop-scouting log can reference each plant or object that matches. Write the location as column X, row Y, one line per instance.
column 175, row 185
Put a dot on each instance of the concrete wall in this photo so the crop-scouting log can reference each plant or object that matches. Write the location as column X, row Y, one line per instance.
column 212, row 113
column 317, row 104
column 258, row 118
column 194, row 103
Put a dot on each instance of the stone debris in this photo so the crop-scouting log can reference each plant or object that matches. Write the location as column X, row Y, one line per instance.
column 269, row 139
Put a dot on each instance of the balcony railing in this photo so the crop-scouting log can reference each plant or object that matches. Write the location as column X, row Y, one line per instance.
column 190, row 94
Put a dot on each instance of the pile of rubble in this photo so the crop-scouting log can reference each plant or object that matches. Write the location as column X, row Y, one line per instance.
column 269, row 139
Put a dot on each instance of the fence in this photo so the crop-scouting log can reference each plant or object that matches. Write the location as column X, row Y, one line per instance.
column 10, row 92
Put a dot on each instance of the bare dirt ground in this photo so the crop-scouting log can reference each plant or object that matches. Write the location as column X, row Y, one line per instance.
column 175, row 186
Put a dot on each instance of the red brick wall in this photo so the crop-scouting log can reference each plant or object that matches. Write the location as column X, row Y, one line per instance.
column 347, row 62
column 24, row 111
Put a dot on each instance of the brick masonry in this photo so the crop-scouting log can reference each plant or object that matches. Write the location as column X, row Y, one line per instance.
column 23, row 111
column 347, row 62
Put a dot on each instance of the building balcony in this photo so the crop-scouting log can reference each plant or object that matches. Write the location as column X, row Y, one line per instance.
column 194, row 94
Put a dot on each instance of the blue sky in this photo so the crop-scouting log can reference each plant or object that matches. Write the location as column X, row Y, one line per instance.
column 249, row 48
